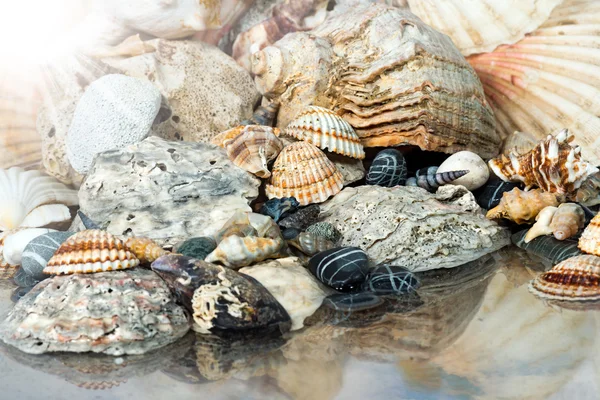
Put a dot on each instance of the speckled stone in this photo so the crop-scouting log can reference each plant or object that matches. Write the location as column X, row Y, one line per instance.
column 197, row 248
column 388, row 169
column 39, row 251
column 326, row 230
column 303, row 218
column 390, row 279
column 343, row 268
column 22, row 279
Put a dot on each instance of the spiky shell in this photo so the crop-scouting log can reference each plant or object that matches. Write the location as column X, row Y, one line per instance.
column 522, row 207
column 326, row 130
column 91, row 251
column 574, row 279
column 554, row 165
column 144, row 249
column 304, row 172
column 567, row 221
column 236, row 252
column 589, row 242
column 25, row 196
column 542, row 224
column 253, row 148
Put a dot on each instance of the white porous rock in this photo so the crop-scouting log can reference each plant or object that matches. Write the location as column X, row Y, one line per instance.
column 165, row 190
column 292, row 285
column 413, row 228
column 115, row 111
column 479, row 172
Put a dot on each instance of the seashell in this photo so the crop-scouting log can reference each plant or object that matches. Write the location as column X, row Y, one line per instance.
column 5, row 267
column 326, row 230
column 388, row 169
column 144, row 249
column 491, row 194
column 91, row 251
column 326, row 130
column 15, row 243
column 522, row 207
column 481, row 26
column 553, row 166
column 310, row 243
column 432, row 182
column 574, row 279
column 412, row 181
column 23, row 192
column 355, row 64
column 253, row 148
column 588, row 193
column 39, row 251
column 302, row 218
column 197, row 248
column 352, row 302
column 589, row 242
column 279, row 208
column 343, row 269
column 388, row 279
column 547, row 247
column 466, row 160
column 549, row 80
column 542, row 224
column 426, row 171
column 567, row 221
column 304, row 172
column 264, row 115
column 236, row 252
column 519, row 143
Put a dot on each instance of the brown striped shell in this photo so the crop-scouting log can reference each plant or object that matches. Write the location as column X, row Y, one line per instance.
column 568, row 219
column 304, row 172
column 574, row 279
column 522, row 207
column 227, row 136
column 146, row 250
column 326, row 130
column 589, row 242
column 253, row 148
column 91, row 251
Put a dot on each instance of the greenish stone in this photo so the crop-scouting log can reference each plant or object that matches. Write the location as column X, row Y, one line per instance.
column 198, row 247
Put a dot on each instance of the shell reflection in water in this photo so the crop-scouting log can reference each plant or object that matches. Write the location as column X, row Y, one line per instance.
column 522, row 207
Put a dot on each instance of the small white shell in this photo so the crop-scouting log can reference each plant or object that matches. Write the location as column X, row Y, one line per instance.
column 478, row 174
column 542, row 224
column 15, row 243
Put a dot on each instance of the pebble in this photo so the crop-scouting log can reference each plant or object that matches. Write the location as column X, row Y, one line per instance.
column 280, row 208
column 290, row 233
column 326, row 230
column 388, row 169
column 303, row 218
column 39, row 251
column 352, row 301
column 390, row 279
column 343, row 268
column 198, row 247
column 22, row 279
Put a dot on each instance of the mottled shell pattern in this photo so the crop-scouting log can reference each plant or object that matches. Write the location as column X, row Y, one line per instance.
column 522, row 207
column 146, row 250
column 304, row 172
column 553, row 166
column 590, row 238
column 326, row 130
column 91, row 251
column 253, row 148
column 574, row 279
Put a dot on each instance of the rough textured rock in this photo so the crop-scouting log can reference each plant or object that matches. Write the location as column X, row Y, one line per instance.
column 122, row 312
column 166, row 191
column 412, row 228
column 352, row 169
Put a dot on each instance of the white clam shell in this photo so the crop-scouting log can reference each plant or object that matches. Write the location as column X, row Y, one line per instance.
column 15, row 243
column 478, row 174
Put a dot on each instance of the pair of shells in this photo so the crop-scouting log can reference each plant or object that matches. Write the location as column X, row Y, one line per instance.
column 562, row 222
column 523, row 207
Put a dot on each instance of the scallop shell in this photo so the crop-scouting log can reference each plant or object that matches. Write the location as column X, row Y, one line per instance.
column 574, row 279
column 542, row 224
column 304, row 172
column 567, row 221
column 253, row 148
column 26, row 196
column 554, row 165
column 589, row 242
column 144, row 249
column 91, row 251
column 522, row 207
column 550, row 79
column 326, row 130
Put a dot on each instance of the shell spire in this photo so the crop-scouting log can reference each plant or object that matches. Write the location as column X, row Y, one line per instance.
column 431, row 182
column 567, row 220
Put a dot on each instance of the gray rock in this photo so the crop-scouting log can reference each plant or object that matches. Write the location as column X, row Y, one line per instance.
column 352, row 170
column 410, row 227
column 39, row 251
column 167, row 191
column 115, row 111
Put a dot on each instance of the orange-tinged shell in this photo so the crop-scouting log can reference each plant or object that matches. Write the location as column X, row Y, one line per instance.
column 146, row 250
column 568, row 219
column 589, row 242
column 91, row 251
column 304, row 172
column 326, row 130
column 574, row 279
column 522, row 207
column 7, row 270
column 225, row 137
column 253, row 148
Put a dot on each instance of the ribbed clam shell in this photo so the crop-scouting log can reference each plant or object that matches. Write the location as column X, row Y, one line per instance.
column 144, row 249
column 550, row 79
column 522, row 207
column 91, row 251
column 589, row 242
column 326, row 130
column 304, row 172
column 574, row 279
column 253, row 148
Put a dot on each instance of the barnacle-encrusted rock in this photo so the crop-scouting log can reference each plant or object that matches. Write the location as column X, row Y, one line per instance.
column 121, row 312
column 165, row 191
column 414, row 228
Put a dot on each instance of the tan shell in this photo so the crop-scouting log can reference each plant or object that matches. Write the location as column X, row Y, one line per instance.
column 326, row 130
column 522, row 207
column 6, row 270
column 550, row 79
column 567, row 221
column 146, row 250
column 304, row 172
column 588, row 193
column 253, row 148
column 542, row 224
column 91, row 251
column 574, row 279
column 236, row 252
column 227, row 136
column 554, row 165
column 589, row 242
column 310, row 243
column 396, row 80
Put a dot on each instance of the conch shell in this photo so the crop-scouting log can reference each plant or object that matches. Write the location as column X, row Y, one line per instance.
column 589, row 242
column 567, row 221
column 553, row 165
column 146, row 250
column 310, row 243
column 522, row 207
column 542, row 224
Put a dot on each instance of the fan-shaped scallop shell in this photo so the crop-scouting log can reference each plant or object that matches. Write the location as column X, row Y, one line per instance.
column 253, row 148
column 144, row 249
column 522, row 207
column 550, row 79
column 91, row 251
column 589, row 242
column 326, row 130
column 304, row 172
column 574, row 279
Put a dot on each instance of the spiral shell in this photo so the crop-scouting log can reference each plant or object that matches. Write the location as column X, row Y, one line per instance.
column 146, row 250
column 567, row 221
column 236, row 252
column 311, row 243
column 542, row 224
column 574, row 279
column 589, row 242
column 253, row 148
column 522, row 207
column 91, row 251
column 326, row 130
column 304, row 172
column 431, row 182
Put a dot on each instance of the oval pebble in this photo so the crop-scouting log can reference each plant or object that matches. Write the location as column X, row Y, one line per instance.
column 388, row 169
column 23, row 279
column 198, row 247
column 343, row 268
column 390, row 279
column 352, row 301
column 490, row 195
column 303, row 218
column 290, row 233
column 41, row 249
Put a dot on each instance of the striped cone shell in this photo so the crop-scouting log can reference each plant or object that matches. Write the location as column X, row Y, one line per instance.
column 431, row 182
column 574, row 279
column 253, row 148
column 304, row 172
column 91, row 251
column 326, row 130
column 146, row 250
column 590, row 239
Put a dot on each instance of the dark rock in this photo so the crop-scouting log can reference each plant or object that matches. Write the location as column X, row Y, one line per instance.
column 342, row 268
column 548, row 247
column 352, row 301
column 280, row 208
column 303, row 218
column 390, row 279
column 388, row 169
column 198, row 247
column 326, row 230
column 39, row 251
column 290, row 233
column 24, row 280
column 491, row 193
